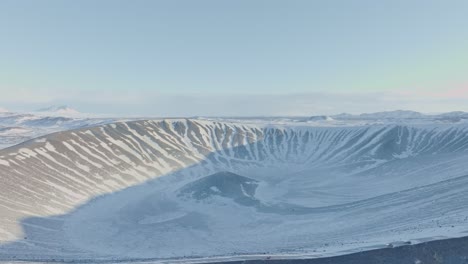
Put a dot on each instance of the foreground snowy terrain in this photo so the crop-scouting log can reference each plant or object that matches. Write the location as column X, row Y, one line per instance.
column 169, row 189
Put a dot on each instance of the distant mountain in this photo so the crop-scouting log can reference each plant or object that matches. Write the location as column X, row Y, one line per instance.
column 62, row 110
column 393, row 114
column 3, row 110
column 454, row 114
column 343, row 116
column 397, row 114
column 320, row 118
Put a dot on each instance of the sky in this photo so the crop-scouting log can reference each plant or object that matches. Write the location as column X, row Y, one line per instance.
column 234, row 58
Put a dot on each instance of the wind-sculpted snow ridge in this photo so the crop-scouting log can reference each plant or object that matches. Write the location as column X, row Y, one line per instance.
column 199, row 188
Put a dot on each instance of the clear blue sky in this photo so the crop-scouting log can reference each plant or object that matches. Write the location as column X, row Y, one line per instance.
column 133, row 57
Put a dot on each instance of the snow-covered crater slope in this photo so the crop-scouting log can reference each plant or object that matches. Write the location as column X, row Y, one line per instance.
column 175, row 188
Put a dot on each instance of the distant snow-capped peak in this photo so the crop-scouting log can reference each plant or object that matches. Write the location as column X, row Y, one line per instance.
column 62, row 109
column 3, row 110
column 320, row 118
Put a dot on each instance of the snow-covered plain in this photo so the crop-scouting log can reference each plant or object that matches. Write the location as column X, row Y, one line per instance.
column 16, row 127
column 235, row 188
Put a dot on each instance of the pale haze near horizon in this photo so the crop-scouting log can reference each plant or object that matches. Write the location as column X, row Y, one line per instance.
column 186, row 58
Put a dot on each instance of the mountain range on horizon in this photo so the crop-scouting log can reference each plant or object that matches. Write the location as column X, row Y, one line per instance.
column 66, row 110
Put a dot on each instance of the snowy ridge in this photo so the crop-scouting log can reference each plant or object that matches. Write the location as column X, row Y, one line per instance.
column 374, row 183
column 16, row 128
column 60, row 118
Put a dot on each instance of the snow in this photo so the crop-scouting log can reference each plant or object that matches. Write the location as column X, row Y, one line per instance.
column 4, row 163
column 13, row 131
column 345, row 119
column 62, row 110
column 215, row 189
column 158, row 219
column 295, row 187
column 16, row 128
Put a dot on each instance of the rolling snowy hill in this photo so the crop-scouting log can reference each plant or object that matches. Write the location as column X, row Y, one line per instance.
column 16, row 128
column 202, row 188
